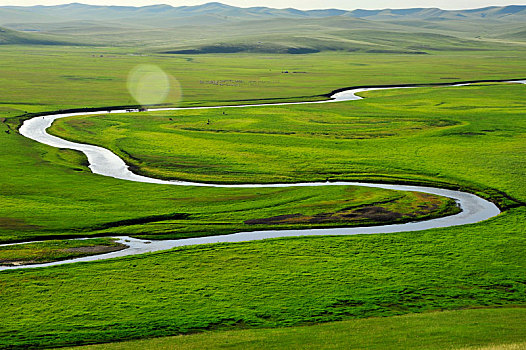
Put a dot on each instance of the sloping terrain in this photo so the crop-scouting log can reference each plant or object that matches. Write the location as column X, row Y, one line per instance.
column 218, row 28
column 77, row 11
column 11, row 37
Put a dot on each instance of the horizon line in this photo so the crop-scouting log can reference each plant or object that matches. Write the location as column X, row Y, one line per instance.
column 251, row 7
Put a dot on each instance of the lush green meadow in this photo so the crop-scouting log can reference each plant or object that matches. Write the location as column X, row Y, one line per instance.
column 273, row 283
column 48, row 251
column 467, row 137
column 52, row 78
column 458, row 136
column 50, row 193
column 465, row 329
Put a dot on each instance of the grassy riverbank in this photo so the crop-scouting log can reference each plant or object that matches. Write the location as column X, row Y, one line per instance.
column 469, row 137
column 49, row 251
column 47, row 78
column 449, row 136
column 274, row 283
column 63, row 199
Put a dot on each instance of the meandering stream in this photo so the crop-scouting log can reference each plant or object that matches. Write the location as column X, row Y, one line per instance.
column 104, row 162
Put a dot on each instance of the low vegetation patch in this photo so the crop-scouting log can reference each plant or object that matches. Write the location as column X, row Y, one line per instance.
column 465, row 329
column 267, row 284
column 470, row 138
column 420, row 135
column 56, row 250
column 391, row 211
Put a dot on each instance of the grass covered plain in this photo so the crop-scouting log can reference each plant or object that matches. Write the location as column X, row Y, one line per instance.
column 464, row 329
column 48, row 251
column 248, row 285
column 63, row 199
column 47, row 192
column 36, row 79
column 459, row 136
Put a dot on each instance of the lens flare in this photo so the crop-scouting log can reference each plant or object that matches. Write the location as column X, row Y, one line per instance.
column 150, row 85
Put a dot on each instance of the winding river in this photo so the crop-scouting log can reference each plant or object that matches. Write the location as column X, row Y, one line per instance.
column 103, row 162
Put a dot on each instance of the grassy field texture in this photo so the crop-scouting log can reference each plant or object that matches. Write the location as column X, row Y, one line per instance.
column 441, row 136
column 52, row 78
column 461, row 136
column 61, row 198
column 226, row 29
column 250, row 285
column 43, row 252
column 466, row 329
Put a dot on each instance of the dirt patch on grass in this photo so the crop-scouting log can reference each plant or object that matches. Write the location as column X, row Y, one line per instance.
column 16, row 263
column 97, row 249
column 369, row 213
column 372, row 213
column 381, row 212
column 16, row 224
column 63, row 254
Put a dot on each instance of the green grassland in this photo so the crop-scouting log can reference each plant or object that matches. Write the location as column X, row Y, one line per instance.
column 53, row 78
column 50, row 193
column 42, row 252
column 325, row 279
column 272, row 283
column 11, row 37
column 465, row 329
column 461, row 136
column 64, row 199
column 469, row 137
column 216, row 28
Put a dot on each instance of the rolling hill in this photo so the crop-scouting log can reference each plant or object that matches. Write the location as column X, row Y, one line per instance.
column 219, row 28
column 76, row 11
column 11, row 37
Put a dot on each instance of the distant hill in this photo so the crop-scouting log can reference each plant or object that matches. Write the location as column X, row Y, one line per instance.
column 219, row 28
column 152, row 14
column 505, row 13
column 11, row 37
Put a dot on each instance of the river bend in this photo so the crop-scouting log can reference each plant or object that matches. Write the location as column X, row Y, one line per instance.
column 104, row 162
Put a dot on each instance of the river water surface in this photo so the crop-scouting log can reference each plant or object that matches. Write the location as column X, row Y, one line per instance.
column 104, row 162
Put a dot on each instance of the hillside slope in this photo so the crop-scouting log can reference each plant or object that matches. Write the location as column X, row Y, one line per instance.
column 219, row 28
column 11, row 37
